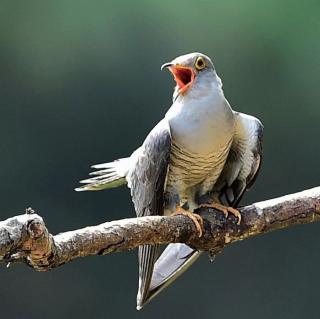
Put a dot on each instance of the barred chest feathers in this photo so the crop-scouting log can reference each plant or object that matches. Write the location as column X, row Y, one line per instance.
column 202, row 131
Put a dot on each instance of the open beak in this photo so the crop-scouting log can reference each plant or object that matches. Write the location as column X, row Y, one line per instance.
column 183, row 75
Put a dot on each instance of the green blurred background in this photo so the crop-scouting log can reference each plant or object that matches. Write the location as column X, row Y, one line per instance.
column 81, row 84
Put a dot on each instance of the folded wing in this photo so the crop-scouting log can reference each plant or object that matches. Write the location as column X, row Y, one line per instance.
column 147, row 181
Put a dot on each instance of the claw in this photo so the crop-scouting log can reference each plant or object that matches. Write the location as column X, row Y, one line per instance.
column 197, row 219
column 225, row 209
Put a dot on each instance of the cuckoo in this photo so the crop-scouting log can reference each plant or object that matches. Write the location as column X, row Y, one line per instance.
column 202, row 153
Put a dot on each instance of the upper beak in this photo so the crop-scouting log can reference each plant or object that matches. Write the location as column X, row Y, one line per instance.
column 166, row 65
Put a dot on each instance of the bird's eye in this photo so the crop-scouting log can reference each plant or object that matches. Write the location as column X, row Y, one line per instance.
column 200, row 64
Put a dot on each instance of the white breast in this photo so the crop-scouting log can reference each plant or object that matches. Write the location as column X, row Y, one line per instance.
column 201, row 124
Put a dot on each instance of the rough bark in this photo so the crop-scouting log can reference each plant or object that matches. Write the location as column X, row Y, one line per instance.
column 26, row 238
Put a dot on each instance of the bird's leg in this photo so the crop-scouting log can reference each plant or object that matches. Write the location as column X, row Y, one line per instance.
column 197, row 219
column 225, row 209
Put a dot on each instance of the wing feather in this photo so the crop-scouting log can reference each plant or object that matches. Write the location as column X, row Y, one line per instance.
column 147, row 182
column 243, row 162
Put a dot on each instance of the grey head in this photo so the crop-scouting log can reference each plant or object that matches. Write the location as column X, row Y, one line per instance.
column 194, row 74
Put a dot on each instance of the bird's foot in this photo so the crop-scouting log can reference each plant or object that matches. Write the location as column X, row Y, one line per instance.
column 197, row 219
column 225, row 209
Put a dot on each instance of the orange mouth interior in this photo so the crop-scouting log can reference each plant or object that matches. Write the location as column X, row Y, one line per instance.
column 184, row 76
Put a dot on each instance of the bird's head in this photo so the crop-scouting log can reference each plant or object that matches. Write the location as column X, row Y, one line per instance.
column 191, row 71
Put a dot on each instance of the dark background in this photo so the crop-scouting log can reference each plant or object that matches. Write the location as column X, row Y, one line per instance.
column 80, row 84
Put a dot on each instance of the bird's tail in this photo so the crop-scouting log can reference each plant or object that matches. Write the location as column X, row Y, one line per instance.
column 108, row 175
column 174, row 261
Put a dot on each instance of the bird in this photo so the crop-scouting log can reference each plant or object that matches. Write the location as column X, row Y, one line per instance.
column 201, row 154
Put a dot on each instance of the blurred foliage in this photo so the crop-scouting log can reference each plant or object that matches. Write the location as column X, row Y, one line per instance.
column 80, row 84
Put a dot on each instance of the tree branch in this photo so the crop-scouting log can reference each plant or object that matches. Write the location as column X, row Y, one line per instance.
column 26, row 238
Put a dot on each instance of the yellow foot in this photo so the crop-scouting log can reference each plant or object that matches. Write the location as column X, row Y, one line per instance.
column 197, row 219
column 225, row 209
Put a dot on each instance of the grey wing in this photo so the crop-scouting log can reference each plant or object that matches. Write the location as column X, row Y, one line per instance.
column 243, row 162
column 147, row 182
